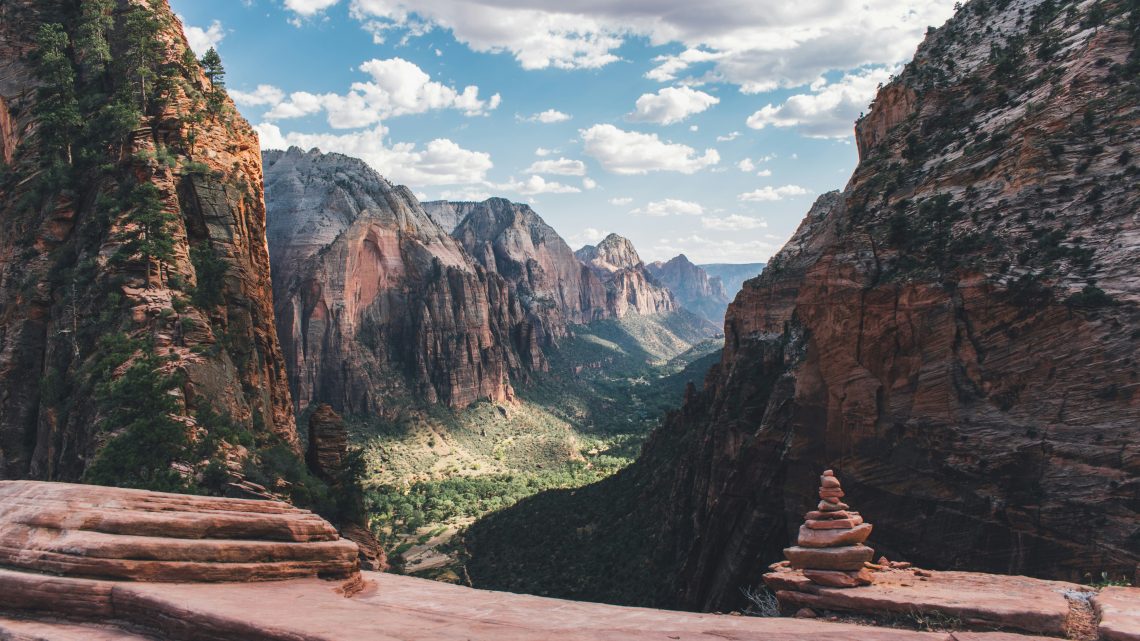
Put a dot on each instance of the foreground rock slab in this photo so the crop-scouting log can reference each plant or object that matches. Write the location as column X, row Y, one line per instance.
column 1118, row 613
column 389, row 607
column 1009, row 602
column 101, row 532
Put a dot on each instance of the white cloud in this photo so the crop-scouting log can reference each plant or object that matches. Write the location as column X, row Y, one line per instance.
column 309, row 7
column 542, row 152
column 201, row 40
column 746, row 165
column 770, row 194
column 758, row 45
column 263, row 95
column 560, row 167
column 702, row 250
column 550, row 116
column 588, row 236
column 734, row 222
column 632, row 153
column 589, row 183
column 830, row 111
column 397, row 87
column 670, row 207
column 620, row 202
column 439, row 162
column 465, row 194
column 728, row 137
column 538, row 185
column 764, row 173
column 670, row 105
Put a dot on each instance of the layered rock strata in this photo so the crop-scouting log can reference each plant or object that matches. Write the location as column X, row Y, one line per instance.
column 830, row 548
column 374, row 299
column 693, row 287
column 630, row 287
column 98, row 532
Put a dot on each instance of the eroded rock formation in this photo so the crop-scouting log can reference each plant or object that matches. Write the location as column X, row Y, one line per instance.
column 630, row 287
column 693, row 287
column 80, row 281
column 373, row 298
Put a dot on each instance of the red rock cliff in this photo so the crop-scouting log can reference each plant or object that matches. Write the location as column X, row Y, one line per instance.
column 66, row 281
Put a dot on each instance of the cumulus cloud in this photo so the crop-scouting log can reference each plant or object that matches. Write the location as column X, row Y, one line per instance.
column 263, row 95
column 543, row 152
column 548, row 117
column 728, row 137
column 397, row 87
column 560, row 167
column 589, row 183
column 201, row 40
column 734, row 222
column 829, row 111
column 758, row 46
column 670, row 207
column 588, row 236
column 622, row 201
column 708, row 250
column 670, row 105
column 772, row 194
column 439, row 162
column 538, row 185
column 746, row 165
column 632, row 153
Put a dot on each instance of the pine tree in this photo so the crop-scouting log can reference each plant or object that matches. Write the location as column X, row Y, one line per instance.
column 151, row 236
column 57, row 109
column 142, row 53
column 212, row 66
column 93, row 51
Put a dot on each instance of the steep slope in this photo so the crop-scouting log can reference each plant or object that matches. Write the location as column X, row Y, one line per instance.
column 732, row 276
column 512, row 241
column 693, row 287
column 630, row 288
column 134, row 277
column 374, row 299
column 933, row 333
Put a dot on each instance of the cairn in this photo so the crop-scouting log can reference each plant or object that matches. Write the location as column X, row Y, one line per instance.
column 830, row 548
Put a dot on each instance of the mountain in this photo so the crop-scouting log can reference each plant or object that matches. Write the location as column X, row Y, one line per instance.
column 954, row 334
column 693, row 287
column 375, row 300
column 511, row 240
column 732, row 276
column 136, row 337
column 630, row 287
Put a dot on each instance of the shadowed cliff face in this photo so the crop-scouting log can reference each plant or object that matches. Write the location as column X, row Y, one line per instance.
column 955, row 334
column 511, row 240
column 374, row 298
column 68, row 278
column 693, row 287
column 931, row 332
column 630, row 287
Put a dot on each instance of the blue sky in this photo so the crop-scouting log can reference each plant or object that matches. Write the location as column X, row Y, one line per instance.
column 705, row 128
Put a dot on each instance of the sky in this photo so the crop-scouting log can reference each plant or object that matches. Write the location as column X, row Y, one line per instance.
column 704, row 128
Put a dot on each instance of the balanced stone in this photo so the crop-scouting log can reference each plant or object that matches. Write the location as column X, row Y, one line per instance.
column 834, row 524
column 844, row 559
column 836, row 579
column 810, row 538
column 827, row 506
column 816, row 515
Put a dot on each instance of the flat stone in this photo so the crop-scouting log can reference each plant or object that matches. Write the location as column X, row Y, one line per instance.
column 817, row 515
column 837, row 579
column 828, row 481
column 827, row 506
column 845, row 558
column 1118, row 611
column 23, row 630
column 831, row 493
column 810, row 538
column 834, row 524
column 1011, row 602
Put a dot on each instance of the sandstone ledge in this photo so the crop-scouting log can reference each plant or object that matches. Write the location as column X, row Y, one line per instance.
column 1118, row 611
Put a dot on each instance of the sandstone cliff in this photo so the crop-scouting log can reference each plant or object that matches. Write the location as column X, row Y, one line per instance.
column 955, row 334
column 630, row 287
column 733, row 275
column 375, row 299
column 133, row 224
column 693, row 287
column 512, row 241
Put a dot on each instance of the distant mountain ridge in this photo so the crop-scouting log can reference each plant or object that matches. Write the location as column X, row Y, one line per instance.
column 693, row 287
column 733, row 275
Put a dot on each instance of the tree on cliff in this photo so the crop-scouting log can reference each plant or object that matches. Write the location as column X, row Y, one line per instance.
column 149, row 234
column 212, row 66
column 56, row 108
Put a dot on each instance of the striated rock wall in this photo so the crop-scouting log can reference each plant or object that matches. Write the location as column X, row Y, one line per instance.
column 693, row 287
column 373, row 298
column 511, row 240
column 66, row 283
column 630, row 287
column 954, row 333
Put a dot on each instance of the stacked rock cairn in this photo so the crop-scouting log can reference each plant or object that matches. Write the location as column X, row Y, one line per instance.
column 830, row 548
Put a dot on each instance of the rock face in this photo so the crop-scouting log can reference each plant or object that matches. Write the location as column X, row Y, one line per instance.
column 630, row 287
column 932, row 332
column 732, row 276
column 511, row 240
column 328, row 443
column 110, row 533
column 70, row 282
column 694, row 288
column 374, row 298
